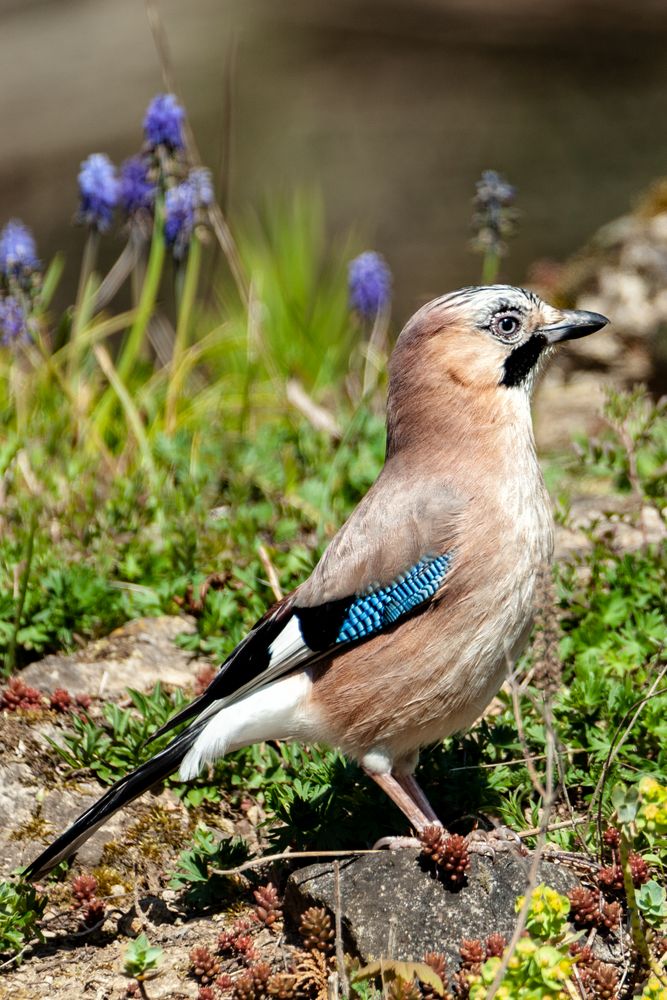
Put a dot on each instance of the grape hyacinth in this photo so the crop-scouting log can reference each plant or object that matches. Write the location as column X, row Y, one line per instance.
column 99, row 191
column 179, row 221
column 13, row 322
column 18, row 256
column 182, row 204
column 163, row 122
column 202, row 186
column 494, row 219
column 369, row 284
column 137, row 193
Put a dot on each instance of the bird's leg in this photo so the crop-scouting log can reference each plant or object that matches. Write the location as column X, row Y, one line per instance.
column 400, row 789
column 409, row 784
column 400, row 797
column 403, row 789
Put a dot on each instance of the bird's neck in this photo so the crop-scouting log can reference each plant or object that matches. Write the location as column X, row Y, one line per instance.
column 436, row 415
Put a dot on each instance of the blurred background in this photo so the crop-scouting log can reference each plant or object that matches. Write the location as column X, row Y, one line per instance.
column 391, row 109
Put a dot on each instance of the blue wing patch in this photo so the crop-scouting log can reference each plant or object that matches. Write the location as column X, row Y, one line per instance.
column 373, row 612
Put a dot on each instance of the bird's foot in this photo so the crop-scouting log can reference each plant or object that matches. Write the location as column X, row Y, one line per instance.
column 396, row 843
column 500, row 840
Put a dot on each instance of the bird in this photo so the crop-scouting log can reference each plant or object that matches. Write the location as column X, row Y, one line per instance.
column 404, row 630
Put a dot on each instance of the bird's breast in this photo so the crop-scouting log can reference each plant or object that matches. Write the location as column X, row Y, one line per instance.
column 433, row 674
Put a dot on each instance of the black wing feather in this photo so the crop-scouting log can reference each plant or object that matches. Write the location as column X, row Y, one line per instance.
column 126, row 790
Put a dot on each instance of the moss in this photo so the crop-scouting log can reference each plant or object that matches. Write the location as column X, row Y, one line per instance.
column 108, row 878
column 156, row 833
column 35, row 828
column 114, row 853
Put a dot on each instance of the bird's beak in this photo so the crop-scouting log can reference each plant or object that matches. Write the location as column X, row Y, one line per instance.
column 573, row 323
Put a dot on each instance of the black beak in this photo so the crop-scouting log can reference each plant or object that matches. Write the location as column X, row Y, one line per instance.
column 574, row 323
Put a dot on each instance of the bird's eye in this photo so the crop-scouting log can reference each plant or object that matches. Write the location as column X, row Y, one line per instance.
column 506, row 326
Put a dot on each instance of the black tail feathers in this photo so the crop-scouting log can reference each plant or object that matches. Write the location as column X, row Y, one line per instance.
column 124, row 791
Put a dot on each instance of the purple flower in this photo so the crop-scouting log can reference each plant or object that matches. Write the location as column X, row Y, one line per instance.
column 494, row 216
column 137, row 194
column 179, row 209
column 202, row 186
column 492, row 189
column 163, row 122
column 181, row 205
column 13, row 321
column 369, row 284
column 17, row 250
column 99, row 191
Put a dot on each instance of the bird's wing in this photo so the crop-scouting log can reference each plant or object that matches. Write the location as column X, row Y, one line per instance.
column 390, row 558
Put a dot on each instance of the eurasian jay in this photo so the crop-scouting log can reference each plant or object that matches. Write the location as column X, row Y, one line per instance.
column 403, row 632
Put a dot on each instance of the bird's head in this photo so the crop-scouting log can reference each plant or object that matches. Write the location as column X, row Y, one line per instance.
column 475, row 344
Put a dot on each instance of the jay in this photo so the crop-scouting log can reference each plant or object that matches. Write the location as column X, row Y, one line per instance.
column 403, row 631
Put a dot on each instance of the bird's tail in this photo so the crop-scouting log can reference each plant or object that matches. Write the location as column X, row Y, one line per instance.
column 126, row 790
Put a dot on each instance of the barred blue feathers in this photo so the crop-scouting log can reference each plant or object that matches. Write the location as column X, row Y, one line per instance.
column 375, row 611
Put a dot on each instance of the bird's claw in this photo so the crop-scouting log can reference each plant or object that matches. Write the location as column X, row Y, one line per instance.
column 396, row 843
column 489, row 843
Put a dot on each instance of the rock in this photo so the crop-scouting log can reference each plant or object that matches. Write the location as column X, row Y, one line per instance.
column 33, row 812
column 566, row 405
column 618, row 518
column 622, row 273
column 136, row 655
column 393, row 908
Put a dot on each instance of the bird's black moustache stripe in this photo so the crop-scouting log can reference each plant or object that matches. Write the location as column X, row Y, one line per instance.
column 519, row 364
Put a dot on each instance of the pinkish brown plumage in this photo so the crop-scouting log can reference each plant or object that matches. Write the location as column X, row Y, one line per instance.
column 404, row 631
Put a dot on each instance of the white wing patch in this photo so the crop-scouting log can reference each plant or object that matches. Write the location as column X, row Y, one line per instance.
column 279, row 711
column 289, row 648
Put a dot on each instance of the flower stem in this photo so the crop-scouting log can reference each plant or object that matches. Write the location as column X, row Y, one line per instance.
column 636, row 930
column 84, row 300
column 490, row 267
column 187, row 299
column 133, row 342
column 132, row 346
column 131, row 412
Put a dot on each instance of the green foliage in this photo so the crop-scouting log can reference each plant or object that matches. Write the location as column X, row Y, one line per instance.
column 305, row 330
column 536, row 971
column 547, row 913
column 136, row 549
column 634, row 454
column 654, row 989
column 112, row 749
column 652, row 902
column 540, row 966
column 141, row 958
column 194, row 872
column 20, row 909
column 651, row 814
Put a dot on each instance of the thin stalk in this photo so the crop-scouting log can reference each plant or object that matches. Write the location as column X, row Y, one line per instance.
column 50, row 282
column 10, row 656
column 138, row 275
column 375, row 352
column 132, row 346
column 490, row 267
column 187, row 300
column 134, row 340
column 117, row 275
column 91, row 433
column 131, row 413
column 88, row 263
column 216, row 218
column 636, row 929
column 84, row 302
